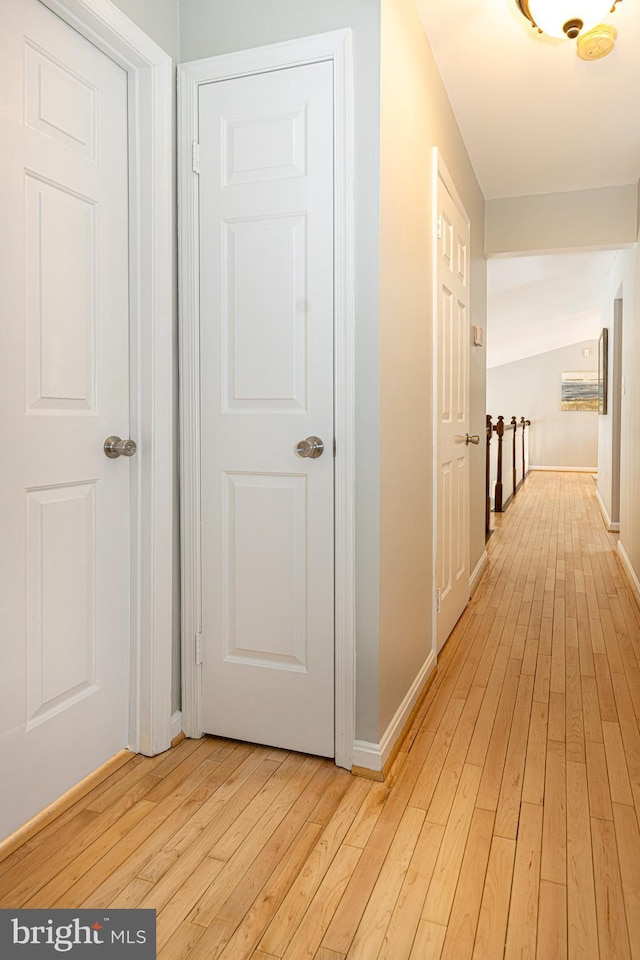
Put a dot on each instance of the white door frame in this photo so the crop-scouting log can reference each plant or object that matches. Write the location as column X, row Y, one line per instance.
column 440, row 171
column 149, row 72
column 334, row 46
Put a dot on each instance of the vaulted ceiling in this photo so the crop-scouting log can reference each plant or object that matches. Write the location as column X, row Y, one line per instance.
column 537, row 119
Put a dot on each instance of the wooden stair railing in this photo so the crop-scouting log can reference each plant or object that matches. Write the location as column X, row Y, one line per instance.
column 518, row 464
column 487, row 510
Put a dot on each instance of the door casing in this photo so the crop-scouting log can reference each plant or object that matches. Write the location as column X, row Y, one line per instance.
column 439, row 171
column 336, row 47
column 149, row 71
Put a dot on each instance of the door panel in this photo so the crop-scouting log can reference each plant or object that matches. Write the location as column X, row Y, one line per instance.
column 264, row 330
column 64, row 387
column 266, row 354
column 60, row 298
column 452, row 567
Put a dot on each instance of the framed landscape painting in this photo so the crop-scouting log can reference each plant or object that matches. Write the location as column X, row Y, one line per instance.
column 603, row 371
column 580, row 390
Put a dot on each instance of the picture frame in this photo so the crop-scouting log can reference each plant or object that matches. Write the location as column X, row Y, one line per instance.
column 579, row 391
column 603, row 371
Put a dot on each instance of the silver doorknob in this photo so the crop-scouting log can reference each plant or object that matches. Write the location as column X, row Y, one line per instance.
column 475, row 439
column 312, row 447
column 115, row 447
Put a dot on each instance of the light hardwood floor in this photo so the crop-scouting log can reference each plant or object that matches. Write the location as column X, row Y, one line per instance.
column 508, row 826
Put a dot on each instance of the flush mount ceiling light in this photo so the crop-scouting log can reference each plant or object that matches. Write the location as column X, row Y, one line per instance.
column 566, row 18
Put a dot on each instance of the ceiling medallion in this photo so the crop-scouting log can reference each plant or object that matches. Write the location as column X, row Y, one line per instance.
column 579, row 20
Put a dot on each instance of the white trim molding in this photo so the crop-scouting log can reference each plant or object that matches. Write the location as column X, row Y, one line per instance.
column 632, row 576
column 478, row 570
column 373, row 756
column 336, row 47
column 440, row 172
column 612, row 525
column 565, row 469
column 150, row 72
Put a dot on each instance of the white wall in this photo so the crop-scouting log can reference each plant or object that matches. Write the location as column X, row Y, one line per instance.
column 210, row 27
column 415, row 117
column 393, row 358
column 579, row 219
column 531, row 388
column 625, row 278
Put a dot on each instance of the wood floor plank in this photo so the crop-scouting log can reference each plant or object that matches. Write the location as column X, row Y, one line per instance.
column 309, row 933
column 463, row 922
column 612, row 924
column 440, row 806
column 598, row 782
column 523, row 909
column 371, row 931
column 445, row 875
column 552, row 922
column 508, row 810
column 353, row 904
column 530, row 729
column 285, row 922
column 401, row 932
column 494, row 909
column 582, row 931
column 554, row 832
column 536, row 757
column 429, row 941
column 617, row 772
column 233, row 902
column 628, row 844
column 436, row 756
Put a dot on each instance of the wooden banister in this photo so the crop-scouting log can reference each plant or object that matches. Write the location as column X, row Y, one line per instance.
column 499, row 429
column 502, row 501
column 487, row 512
column 514, row 460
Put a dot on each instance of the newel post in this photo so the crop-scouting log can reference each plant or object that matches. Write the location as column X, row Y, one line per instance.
column 514, row 462
column 487, row 512
column 499, row 429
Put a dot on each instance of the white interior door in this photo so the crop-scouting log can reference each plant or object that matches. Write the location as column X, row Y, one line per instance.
column 452, row 278
column 266, row 373
column 64, row 387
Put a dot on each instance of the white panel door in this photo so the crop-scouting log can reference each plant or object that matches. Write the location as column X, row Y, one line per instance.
column 453, row 331
column 64, row 387
column 266, row 342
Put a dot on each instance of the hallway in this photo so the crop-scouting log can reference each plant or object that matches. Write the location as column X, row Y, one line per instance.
column 508, row 825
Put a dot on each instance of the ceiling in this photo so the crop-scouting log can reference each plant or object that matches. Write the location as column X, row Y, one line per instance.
column 538, row 304
column 534, row 117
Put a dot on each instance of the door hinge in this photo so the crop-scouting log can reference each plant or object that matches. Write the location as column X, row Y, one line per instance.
column 439, row 228
column 439, row 601
column 195, row 156
column 198, row 649
column 334, row 446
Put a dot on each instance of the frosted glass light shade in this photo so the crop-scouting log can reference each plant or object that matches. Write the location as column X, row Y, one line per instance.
column 551, row 15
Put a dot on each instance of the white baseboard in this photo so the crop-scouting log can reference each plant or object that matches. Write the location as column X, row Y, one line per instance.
column 373, row 756
column 566, row 469
column 611, row 525
column 477, row 573
column 175, row 724
column 630, row 572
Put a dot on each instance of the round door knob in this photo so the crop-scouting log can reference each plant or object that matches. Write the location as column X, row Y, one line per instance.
column 115, row 447
column 312, row 447
column 475, row 439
